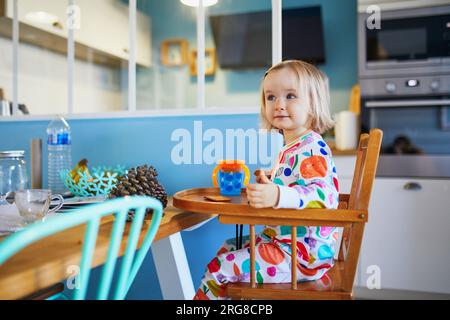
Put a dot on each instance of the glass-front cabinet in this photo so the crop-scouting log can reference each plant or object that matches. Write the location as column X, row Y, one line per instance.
column 168, row 84
column 140, row 56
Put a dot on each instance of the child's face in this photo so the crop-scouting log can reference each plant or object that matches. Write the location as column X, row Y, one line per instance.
column 286, row 108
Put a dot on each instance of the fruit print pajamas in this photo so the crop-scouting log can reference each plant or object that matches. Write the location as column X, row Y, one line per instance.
column 306, row 176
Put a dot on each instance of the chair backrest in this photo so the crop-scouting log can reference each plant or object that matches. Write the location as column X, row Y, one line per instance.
column 91, row 216
column 365, row 169
column 359, row 198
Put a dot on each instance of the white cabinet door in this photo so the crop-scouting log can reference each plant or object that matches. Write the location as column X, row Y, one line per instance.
column 345, row 167
column 408, row 236
column 41, row 14
column 105, row 26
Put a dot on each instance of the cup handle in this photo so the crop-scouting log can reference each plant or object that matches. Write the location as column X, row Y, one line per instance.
column 247, row 175
column 59, row 205
column 8, row 198
column 214, row 176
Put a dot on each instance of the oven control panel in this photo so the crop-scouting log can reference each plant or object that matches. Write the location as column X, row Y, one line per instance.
column 405, row 86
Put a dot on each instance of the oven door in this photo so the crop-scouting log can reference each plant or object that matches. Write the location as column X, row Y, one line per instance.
column 410, row 41
column 416, row 135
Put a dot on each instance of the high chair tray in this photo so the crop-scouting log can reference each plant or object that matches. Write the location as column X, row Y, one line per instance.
column 193, row 200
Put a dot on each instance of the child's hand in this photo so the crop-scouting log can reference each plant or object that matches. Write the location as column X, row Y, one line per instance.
column 261, row 177
column 264, row 195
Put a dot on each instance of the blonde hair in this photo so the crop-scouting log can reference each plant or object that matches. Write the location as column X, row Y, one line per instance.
column 313, row 85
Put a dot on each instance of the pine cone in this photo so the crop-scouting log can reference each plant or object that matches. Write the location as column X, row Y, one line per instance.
column 140, row 181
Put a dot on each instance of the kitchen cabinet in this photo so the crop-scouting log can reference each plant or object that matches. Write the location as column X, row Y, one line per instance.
column 345, row 166
column 407, row 234
column 103, row 33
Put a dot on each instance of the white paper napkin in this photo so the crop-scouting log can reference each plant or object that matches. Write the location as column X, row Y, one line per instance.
column 10, row 219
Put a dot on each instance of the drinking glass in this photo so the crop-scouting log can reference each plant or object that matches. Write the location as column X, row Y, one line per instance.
column 33, row 205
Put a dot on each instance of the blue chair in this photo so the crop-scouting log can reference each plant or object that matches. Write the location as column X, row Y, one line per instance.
column 91, row 215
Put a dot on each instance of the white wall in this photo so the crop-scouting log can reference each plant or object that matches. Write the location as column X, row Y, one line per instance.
column 43, row 81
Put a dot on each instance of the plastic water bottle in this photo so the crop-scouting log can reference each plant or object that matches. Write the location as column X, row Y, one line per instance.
column 59, row 146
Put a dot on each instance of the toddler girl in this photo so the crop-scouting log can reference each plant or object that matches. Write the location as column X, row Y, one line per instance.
column 295, row 101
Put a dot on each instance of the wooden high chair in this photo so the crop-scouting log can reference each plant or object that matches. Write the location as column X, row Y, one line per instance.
column 352, row 214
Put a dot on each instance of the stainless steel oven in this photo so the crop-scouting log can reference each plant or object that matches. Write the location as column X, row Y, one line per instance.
column 404, row 74
column 409, row 42
column 416, row 141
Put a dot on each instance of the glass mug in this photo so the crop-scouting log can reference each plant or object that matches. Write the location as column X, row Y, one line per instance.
column 33, row 205
column 230, row 176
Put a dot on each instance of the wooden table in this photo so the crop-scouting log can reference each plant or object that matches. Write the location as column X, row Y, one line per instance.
column 46, row 262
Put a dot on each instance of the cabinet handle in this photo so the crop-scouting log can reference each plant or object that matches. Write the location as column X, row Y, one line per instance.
column 412, row 186
column 58, row 25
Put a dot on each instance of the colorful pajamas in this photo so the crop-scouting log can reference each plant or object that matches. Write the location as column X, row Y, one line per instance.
column 306, row 177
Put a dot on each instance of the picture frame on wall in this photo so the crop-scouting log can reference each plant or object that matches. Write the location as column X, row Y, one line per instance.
column 174, row 52
column 210, row 62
